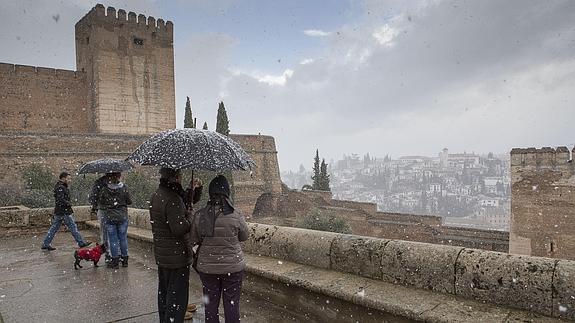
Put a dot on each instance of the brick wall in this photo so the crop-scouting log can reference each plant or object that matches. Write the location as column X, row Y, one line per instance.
column 38, row 99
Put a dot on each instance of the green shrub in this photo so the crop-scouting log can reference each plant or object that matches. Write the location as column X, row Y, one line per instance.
column 324, row 221
column 206, row 177
column 81, row 187
column 141, row 187
column 38, row 177
column 35, row 198
column 10, row 195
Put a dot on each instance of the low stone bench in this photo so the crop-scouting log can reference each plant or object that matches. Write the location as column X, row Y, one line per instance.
column 312, row 261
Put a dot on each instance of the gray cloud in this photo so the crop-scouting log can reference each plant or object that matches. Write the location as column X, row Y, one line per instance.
column 478, row 75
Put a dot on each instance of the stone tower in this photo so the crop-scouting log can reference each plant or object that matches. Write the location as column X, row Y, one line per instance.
column 542, row 203
column 129, row 65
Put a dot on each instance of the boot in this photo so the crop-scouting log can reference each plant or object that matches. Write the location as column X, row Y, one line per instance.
column 114, row 263
column 124, row 261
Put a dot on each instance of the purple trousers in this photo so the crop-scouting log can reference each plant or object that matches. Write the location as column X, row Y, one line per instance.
column 230, row 285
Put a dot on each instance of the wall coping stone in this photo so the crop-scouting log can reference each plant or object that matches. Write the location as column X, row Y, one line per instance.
column 412, row 303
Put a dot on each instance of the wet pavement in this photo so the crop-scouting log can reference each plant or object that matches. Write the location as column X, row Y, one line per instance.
column 42, row 286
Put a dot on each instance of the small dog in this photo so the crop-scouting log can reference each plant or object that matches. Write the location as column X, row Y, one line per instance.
column 91, row 254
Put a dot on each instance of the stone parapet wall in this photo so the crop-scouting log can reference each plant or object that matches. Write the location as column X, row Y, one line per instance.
column 369, row 208
column 40, row 99
column 431, row 220
column 542, row 285
column 542, row 203
column 42, row 217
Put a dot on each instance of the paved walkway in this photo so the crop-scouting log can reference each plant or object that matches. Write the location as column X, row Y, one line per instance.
column 42, row 286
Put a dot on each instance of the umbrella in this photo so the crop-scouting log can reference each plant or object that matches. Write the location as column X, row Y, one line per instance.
column 105, row 166
column 192, row 148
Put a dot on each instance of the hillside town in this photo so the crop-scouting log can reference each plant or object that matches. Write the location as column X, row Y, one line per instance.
column 466, row 189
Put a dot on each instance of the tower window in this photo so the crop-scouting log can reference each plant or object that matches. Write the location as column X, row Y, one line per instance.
column 138, row 41
column 87, row 40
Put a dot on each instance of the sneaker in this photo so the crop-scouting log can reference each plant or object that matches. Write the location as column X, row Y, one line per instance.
column 49, row 248
column 85, row 244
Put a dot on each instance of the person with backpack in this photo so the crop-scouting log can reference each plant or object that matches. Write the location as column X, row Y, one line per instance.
column 113, row 201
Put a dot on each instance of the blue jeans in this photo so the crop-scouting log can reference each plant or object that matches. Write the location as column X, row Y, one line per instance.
column 118, row 237
column 68, row 219
column 104, row 232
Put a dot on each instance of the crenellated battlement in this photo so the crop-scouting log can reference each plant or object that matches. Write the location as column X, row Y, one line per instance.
column 544, row 157
column 22, row 70
column 119, row 17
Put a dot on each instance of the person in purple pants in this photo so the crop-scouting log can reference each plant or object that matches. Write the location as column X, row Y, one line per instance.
column 218, row 230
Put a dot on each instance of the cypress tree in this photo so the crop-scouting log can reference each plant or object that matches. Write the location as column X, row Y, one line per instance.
column 316, row 172
column 324, row 177
column 188, row 119
column 222, row 122
column 205, row 126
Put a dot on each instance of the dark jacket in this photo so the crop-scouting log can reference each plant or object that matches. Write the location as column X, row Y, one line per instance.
column 95, row 193
column 113, row 201
column 63, row 206
column 170, row 227
column 220, row 253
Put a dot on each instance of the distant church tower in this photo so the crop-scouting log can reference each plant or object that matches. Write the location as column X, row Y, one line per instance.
column 129, row 64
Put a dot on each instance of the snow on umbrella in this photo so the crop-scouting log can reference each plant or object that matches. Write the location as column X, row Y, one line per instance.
column 106, row 165
column 192, row 148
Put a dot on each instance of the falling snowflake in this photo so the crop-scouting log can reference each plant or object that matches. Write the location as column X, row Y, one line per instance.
column 562, row 308
column 280, row 262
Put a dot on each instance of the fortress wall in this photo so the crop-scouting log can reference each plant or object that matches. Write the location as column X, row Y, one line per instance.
column 542, row 203
column 68, row 152
column 39, row 99
column 58, row 152
column 264, row 178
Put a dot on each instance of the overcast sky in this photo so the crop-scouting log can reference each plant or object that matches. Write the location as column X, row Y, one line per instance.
column 384, row 77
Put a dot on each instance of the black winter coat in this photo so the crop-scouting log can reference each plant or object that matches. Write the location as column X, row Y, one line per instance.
column 63, row 206
column 113, row 200
column 171, row 229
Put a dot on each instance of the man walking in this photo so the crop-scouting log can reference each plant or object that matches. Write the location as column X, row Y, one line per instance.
column 63, row 213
